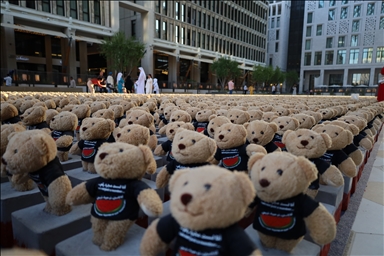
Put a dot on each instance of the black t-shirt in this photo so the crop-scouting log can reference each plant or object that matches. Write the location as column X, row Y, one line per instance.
column 200, row 126
column 41, row 125
column 89, row 149
column 277, row 141
column 57, row 134
column 226, row 241
column 115, row 199
column 117, row 120
column 167, row 147
column 350, row 149
column 233, row 158
column 334, row 157
column 47, row 175
column 359, row 137
column 173, row 166
column 12, row 120
column 285, row 218
column 111, row 139
column 79, row 122
column 321, row 166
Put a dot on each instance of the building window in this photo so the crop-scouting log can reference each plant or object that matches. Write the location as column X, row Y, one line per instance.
column 308, row 44
column 344, row 13
column 85, row 11
column 309, row 31
column 198, row 40
column 97, row 15
column 203, row 21
column 332, row 3
column 353, row 56
column 157, row 6
column 182, row 35
column 329, row 58
column 380, row 55
column 329, row 43
column 157, row 29
column 367, row 55
column 341, row 56
column 46, row 5
column 15, row 2
column 381, row 24
column 73, row 9
column 30, row 4
column 321, row 3
column 279, row 9
column 319, row 30
column 273, row 23
column 370, row 9
column 341, row 42
column 307, row 59
column 177, row 10
column 183, row 13
column 164, row 31
column 355, row 26
column 331, row 14
column 344, row 2
column 133, row 28
column 354, row 39
column 360, row 79
column 56, row 48
column 60, row 7
column 276, row 47
column 309, row 17
column 356, row 11
column 165, row 8
column 382, row 7
column 176, row 34
column 29, row 44
column 317, row 58
column 277, row 34
column 277, row 22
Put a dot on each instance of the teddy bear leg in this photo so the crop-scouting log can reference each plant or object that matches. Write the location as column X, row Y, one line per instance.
column 85, row 166
column 62, row 155
column 25, row 186
column 58, row 191
column 287, row 245
column 98, row 228
column 312, row 192
column 77, row 136
column 115, row 234
column 91, row 168
column 357, row 157
column 48, row 207
column 152, row 142
column 267, row 241
column 162, row 178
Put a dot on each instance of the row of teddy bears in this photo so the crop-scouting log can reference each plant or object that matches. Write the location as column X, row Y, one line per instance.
column 244, row 137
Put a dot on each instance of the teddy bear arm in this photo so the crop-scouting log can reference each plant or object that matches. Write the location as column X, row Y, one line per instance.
column 159, row 151
column 150, row 202
column 365, row 143
column 356, row 156
column 64, row 141
column 47, row 130
column 332, row 176
column 79, row 195
column 20, row 178
column 321, row 225
column 162, row 177
column 152, row 142
column 254, row 148
column 75, row 150
column 348, row 167
column 151, row 243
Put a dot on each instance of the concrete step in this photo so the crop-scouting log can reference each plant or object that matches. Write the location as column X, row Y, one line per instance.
column 161, row 140
column 4, row 179
column 333, row 196
column 35, row 229
column 77, row 176
column 347, row 192
column 73, row 162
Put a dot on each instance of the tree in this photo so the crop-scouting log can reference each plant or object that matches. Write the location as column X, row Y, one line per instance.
column 225, row 69
column 262, row 74
column 291, row 79
column 278, row 76
column 122, row 53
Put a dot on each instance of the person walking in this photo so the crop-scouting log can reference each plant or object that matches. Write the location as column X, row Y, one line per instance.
column 251, row 89
column 135, row 85
column 231, row 86
column 110, row 82
column 245, row 89
column 90, row 86
column 129, row 84
column 141, row 81
column 72, row 83
column 101, row 82
column 149, row 85
column 8, row 80
column 294, row 92
column 156, row 89
column 273, row 89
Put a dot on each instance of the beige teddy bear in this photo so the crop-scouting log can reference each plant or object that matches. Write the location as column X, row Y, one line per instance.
column 262, row 133
column 282, row 218
column 9, row 114
column 118, row 194
column 35, row 118
column 81, row 111
column 238, row 116
column 206, row 204
column 202, row 119
column 180, row 115
column 214, row 123
column 284, row 123
column 49, row 114
column 34, row 153
column 305, row 121
column 133, row 134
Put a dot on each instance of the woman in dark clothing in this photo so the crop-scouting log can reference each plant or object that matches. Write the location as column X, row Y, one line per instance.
column 101, row 82
column 128, row 84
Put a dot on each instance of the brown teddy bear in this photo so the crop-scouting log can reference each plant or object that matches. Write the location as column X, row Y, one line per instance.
column 63, row 126
column 261, row 133
column 190, row 150
column 133, row 134
column 170, row 130
column 81, row 111
column 49, row 114
column 97, row 105
column 313, row 145
column 93, row 133
column 335, row 154
column 232, row 150
column 165, row 117
column 269, row 116
column 180, row 115
column 284, row 123
column 202, row 119
column 35, row 118
column 9, row 114
column 118, row 112
column 305, row 121
column 214, row 123
column 34, row 152
column 238, row 116
column 282, row 218
column 206, row 204
column 192, row 111
column 104, row 113
column 118, row 194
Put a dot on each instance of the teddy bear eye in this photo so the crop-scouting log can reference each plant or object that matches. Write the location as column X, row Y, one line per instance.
column 229, row 130
column 237, row 116
column 121, row 150
column 280, row 172
column 253, row 132
column 263, row 168
column 15, row 151
column 312, row 137
column 129, row 130
column 137, row 118
column 213, row 123
column 287, row 122
column 181, row 138
column 336, row 134
column 178, row 116
column 262, row 133
column 299, row 136
column 185, row 183
column 93, row 123
column 324, row 130
column 178, row 125
column 193, row 141
column 207, row 186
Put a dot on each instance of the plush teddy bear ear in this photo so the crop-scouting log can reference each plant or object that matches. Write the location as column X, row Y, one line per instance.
column 247, row 189
column 354, row 129
column 11, row 135
column 327, row 139
column 111, row 124
column 148, row 158
column 316, row 127
column 297, row 123
column 150, row 118
column 326, row 122
column 174, row 178
column 253, row 159
column 285, row 136
column 40, row 144
column 246, row 125
column 128, row 112
column 242, row 130
column 273, row 126
column 211, row 117
column 188, row 126
column 308, row 168
column 313, row 120
column 163, row 130
column 189, row 118
column 247, row 116
column 212, row 145
column 349, row 136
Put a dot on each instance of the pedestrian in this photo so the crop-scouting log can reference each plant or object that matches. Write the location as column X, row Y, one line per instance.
column 245, row 89
column 149, row 85
column 128, row 84
column 251, row 89
column 135, row 85
column 231, row 86
column 8, row 80
column 72, row 83
column 273, row 89
column 101, row 82
column 156, row 89
column 110, row 82
column 120, row 82
column 141, row 81
column 294, row 92
column 90, row 85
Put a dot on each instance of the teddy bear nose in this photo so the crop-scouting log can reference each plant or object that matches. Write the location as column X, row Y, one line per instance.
column 130, row 122
column 103, row 155
column 21, row 117
column 221, row 136
column 255, row 140
column 186, row 198
column 264, row 183
column 232, row 121
column 3, row 161
column 181, row 146
column 212, row 130
column 304, row 142
column 84, row 128
column 173, row 119
column 171, row 131
column 281, row 126
column 118, row 135
column 324, row 113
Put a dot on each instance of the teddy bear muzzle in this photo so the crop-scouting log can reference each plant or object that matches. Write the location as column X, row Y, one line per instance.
column 181, row 146
column 281, row 126
column 256, row 140
column 186, row 198
column 264, row 183
column 304, row 142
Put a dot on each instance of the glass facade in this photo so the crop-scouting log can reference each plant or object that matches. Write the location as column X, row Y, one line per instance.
column 295, row 35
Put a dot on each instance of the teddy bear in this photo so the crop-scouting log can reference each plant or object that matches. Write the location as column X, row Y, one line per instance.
column 63, row 126
column 222, row 112
column 9, row 114
column 317, row 115
column 313, row 145
column 118, row 112
column 133, row 134
column 93, row 133
column 26, row 105
column 335, row 154
column 261, row 133
column 190, row 150
column 284, row 123
column 49, row 114
column 238, row 116
column 232, row 150
column 81, row 111
column 35, row 118
column 202, row 119
column 170, row 130
column 118, row 194
column 107, row 114
column 34, row 153
column 165, row 117
column 305, row 121
column 206, row 204
column 282, row 111
column 255, row 114
column 283, row 218
column 327, row 114
column 360, row 123
column 180, row 115
column 214, row 123
column 97, row 105
column 192, row 111
column 269, row 116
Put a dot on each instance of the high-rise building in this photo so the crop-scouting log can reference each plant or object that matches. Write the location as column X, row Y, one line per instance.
column 295, row 36
column 343, row 43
